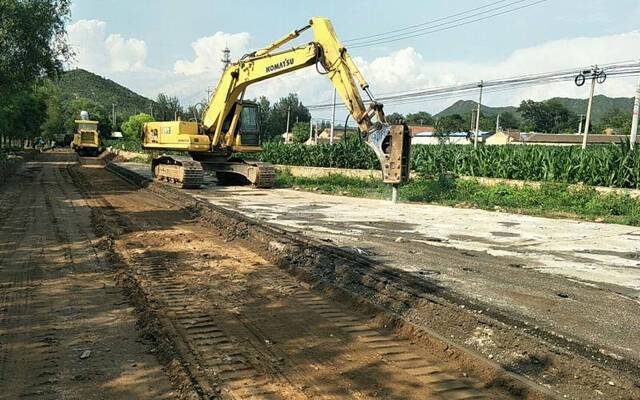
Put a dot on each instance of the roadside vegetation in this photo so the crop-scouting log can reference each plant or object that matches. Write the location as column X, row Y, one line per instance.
column 604, row 165
column 548, row 200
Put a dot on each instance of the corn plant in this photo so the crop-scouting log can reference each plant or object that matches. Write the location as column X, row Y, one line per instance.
column 603, row 165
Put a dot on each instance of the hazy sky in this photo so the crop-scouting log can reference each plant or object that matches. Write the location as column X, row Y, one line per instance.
column 175, row 46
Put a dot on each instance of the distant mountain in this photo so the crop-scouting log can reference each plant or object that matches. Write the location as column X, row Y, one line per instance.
column 463, row 107
column 601, row 104
column 78, row 83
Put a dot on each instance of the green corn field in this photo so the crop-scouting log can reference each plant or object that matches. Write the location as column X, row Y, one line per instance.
column 603, row 165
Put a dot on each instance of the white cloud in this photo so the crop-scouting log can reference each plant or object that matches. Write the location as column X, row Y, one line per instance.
column 401, row 70
column 126, row 54
column 406, row 69
column 98, row 52
column 208, row 52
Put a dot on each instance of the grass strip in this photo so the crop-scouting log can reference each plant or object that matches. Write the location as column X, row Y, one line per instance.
column 555, row 200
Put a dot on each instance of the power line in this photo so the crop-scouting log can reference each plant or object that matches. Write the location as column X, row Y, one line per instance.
column 424, row 23
column 451, row 25
column 618, row 69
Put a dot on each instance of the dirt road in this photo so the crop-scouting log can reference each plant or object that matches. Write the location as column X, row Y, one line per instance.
column 248, row 329
column 110, row 291
column 575, row 335
column 66, row 330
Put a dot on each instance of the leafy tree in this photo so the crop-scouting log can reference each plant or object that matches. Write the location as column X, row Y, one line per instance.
column 168, row 108
column 53, row 127
column 264, row 109
column 276, row 121
column 32, row 46
column 71, row 112
column 420, row 118
column 32, row 41
column 508, row 120
column 132, row 128
column 24, row 112
column 548, row 116
column 451, row 123
column 192, row 113
column 616, row 119
column 300, row 132
column 487, row 122
column 395, row 118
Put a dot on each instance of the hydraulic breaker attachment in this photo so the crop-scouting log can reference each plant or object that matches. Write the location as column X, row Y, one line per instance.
column 392, row 145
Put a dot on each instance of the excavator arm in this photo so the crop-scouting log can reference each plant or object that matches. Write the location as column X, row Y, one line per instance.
column 389, row 142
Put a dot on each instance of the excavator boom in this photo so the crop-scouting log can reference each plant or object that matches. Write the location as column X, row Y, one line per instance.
column 222, row 117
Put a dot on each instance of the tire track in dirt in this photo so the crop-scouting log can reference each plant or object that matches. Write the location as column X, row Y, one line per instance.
column 248, row 329
column 56, row 302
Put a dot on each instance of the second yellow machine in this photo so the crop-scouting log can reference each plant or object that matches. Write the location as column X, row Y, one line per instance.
column 230, row 124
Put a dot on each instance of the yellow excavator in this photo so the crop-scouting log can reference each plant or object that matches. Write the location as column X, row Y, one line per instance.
column 230, row 124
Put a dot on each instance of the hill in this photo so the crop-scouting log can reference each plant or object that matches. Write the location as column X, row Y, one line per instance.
column 463, row 107
column 601, row 104
column 79, row 83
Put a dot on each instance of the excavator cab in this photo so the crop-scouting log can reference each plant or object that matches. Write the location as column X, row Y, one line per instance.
column 249, row 126
column 247, row 132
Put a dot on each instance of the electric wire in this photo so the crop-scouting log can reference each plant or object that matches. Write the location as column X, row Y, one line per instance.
column 443, row 27
column 618, row 69
column 427, row 23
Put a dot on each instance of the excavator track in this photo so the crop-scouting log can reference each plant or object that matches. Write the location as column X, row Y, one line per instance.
column 180, row 171
column 266, row 175
column 235, row 171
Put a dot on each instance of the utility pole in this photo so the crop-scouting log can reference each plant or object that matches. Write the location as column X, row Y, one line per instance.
column 580, row 125
column 588, row 121
column 634, row 121
column 597, row 75
column 310, row 128
column 473, row 120
column 288, row 116
column 498, row 123
column 475, row 141
column 333, row 116
column 113, row 116
column 151, row 105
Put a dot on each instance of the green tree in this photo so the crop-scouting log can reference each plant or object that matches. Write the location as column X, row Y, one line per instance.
column 451, row 123
column 168, row 108
column 276, row 123
column 132, row 128
column 508, row 120
column 616, row 119
column 53, row 127
column 32, row 46
column 395, row 118
column 25, row 114
column 420, row 118
column 300, row 132
column 264, row 110
column 549, row 116
column 32, row 41
column 71, row 112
